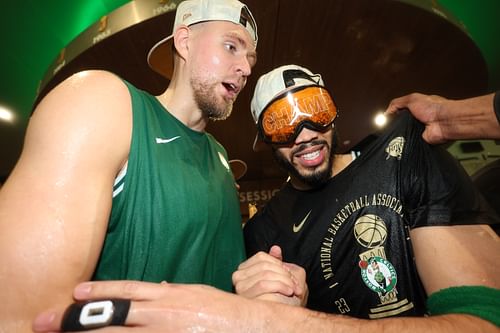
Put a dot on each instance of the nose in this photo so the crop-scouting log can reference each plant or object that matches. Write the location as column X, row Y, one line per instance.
column 306, row 135
column 244, row 67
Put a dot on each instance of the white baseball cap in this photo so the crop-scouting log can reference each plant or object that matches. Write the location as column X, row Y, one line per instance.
column 279, row 80
column 160, row 57
column 274, row 84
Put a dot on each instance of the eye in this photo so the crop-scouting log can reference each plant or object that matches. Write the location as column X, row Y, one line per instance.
column 230, row 46
column 252, row 60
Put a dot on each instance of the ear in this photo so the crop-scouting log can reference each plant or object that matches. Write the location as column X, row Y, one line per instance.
column 181, row 37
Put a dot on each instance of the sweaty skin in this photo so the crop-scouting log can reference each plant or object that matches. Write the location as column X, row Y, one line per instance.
column 174, row 308
column 55, row 206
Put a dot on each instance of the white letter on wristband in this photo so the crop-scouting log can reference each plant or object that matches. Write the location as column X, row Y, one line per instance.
column 97, row 314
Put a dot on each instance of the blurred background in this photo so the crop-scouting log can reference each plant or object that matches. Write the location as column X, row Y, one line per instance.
column 369, row 51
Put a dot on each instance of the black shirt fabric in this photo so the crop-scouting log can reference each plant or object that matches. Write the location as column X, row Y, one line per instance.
column 352, row 235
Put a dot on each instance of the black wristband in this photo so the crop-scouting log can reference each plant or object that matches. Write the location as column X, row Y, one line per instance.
column 496, row 105
column 94, row 314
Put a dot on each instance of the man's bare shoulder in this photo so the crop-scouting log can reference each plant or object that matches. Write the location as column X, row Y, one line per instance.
column 88, row 89
column 90, row 108
column 93, row 77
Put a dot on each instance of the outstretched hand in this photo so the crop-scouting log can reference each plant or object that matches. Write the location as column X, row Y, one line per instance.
column 161, row 307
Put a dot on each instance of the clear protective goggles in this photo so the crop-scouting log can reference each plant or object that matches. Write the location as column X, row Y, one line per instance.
column 286, row 115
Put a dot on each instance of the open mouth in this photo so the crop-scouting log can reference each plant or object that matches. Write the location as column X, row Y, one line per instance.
column 232, row 88
column 311, row 157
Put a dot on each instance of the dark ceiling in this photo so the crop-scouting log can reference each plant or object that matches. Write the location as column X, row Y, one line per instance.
column 368, row 52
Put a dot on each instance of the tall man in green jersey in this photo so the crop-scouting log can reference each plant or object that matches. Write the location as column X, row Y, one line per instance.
column 114, row 183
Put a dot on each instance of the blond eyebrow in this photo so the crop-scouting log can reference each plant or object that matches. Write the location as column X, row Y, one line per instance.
column 251, row 54
column 237, row 36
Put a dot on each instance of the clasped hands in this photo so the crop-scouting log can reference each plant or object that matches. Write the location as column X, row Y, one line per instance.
column 265, row 276
column 165, row 307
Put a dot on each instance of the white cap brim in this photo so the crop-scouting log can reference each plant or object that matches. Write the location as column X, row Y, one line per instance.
column 189, row 12
column 161, row 58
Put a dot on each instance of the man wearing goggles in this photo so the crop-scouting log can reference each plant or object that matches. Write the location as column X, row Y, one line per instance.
column 293, row 101
column 352, row 220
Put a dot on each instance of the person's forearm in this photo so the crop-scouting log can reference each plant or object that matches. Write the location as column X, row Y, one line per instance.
column 471, row 118
column 186, row 308
column 272, row 318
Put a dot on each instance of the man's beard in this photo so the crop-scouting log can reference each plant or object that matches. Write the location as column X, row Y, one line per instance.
column 206, row 100
column 318, row 177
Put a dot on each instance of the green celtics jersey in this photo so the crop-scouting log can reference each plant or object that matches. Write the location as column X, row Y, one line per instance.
column 175, row 213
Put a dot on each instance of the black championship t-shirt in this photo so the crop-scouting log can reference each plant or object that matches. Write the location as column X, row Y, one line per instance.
column 352, row 235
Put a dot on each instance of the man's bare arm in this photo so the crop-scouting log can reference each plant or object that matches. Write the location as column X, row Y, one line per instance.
column 186, row 308
column 55, row 205
column 446, row 119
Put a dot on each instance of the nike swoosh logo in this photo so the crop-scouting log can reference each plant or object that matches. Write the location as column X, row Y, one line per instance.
column 160, row 140
column 296, row 228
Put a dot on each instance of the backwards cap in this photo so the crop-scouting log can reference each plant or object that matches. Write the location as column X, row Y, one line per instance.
column 160, row 57
column 277, row 81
